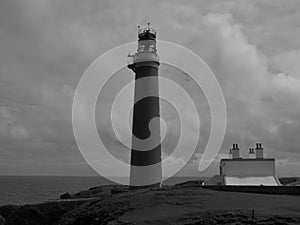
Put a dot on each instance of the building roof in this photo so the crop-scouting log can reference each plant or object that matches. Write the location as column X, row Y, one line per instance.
column 241, row 159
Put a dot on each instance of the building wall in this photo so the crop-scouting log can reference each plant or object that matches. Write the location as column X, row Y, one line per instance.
column 251, row 181
column 248, row 167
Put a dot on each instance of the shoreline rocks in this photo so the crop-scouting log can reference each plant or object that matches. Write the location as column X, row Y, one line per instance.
column 183, row 204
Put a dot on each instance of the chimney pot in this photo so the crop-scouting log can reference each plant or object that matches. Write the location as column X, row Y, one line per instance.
column 259, row 151
column 235, row 151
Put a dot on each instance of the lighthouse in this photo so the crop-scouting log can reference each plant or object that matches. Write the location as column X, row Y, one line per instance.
column 145, row 161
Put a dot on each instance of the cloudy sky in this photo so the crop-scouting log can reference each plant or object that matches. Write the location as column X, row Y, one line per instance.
column 253, row 48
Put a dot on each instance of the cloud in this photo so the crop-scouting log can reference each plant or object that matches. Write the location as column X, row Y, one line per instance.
column 262, row 105
column 45, row 46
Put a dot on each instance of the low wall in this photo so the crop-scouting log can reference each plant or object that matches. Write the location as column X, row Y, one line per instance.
column 274, row 190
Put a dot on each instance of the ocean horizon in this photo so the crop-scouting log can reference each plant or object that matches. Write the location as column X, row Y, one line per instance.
column 35, row 189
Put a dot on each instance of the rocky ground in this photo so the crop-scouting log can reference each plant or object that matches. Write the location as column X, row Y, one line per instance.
column 181, row 204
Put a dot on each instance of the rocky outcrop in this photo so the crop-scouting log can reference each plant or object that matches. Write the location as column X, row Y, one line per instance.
column 182, row 204
column 2, row 220
column 65, row 196
column 40, row 214
column 94, row 192
column 7, row 210
column 96, row 212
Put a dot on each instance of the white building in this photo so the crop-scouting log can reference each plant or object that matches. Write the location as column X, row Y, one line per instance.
column 252, row 171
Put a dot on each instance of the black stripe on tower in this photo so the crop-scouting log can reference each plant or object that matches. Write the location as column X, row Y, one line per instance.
column 144, row 111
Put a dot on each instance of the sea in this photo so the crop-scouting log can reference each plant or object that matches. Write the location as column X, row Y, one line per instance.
column 21, row 190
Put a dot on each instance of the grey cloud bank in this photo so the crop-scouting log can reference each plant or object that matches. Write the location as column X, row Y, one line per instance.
column 45, row 46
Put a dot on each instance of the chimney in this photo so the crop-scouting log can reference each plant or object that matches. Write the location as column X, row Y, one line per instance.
column 235, row 151
column 259, row 151
column 251, row 153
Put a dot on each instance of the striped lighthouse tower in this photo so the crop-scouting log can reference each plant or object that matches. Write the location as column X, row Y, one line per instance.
column 145, row 169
